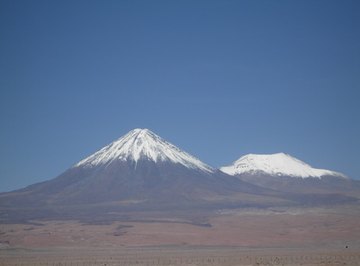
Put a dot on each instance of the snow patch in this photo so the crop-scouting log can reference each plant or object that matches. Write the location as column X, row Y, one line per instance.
column 279, row 164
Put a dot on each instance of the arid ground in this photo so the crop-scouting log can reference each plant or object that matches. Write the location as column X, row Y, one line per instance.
column 200, row 256
column 279, row 236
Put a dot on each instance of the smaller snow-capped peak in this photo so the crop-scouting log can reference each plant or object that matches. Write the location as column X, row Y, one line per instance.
column 278, row 164
column 143, row 144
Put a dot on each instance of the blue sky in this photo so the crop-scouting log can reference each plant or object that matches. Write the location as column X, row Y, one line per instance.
column 219, row 79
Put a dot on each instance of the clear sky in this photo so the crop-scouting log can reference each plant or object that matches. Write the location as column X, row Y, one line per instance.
column 219, row 79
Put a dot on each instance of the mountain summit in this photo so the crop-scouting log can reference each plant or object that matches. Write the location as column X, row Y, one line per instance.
column 139, row 171
column 278, row 164
column 285, row 173
column 142, row 144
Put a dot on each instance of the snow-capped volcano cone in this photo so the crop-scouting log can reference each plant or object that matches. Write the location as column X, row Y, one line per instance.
column 140, row 168
column 142, row 144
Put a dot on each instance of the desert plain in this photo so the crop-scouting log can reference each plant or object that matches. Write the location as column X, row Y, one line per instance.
column 247, row 236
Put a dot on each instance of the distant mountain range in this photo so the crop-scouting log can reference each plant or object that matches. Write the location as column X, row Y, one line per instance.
column 143, row 172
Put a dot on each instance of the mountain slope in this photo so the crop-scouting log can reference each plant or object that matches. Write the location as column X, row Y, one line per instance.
column 279, row 164
column 138, row 172
column 299, row 180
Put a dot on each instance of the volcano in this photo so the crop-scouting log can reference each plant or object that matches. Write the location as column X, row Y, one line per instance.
column 283, row 172
column 138, row 172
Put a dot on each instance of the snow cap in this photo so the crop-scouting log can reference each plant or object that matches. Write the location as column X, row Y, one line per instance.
column 278, row 164
column 143, row 144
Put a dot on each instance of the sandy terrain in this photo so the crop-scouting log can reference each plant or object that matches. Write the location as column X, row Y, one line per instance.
column 200, row 256
column 244, row 228
column 312, row 236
